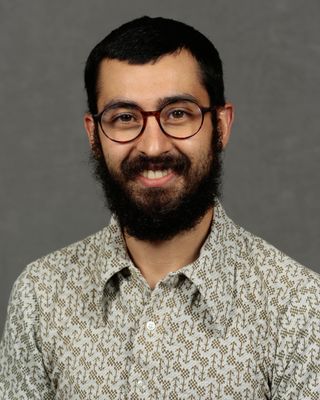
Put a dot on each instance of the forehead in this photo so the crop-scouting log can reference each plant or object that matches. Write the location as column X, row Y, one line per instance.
column 171, row 75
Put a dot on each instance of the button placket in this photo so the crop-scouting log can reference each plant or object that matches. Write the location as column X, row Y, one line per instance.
column 144, row 346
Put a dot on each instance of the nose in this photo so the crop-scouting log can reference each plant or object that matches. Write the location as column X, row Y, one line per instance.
column 153, row 142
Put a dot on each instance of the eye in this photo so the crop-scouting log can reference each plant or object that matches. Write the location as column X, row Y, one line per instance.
column 118, row 117
column 177, row 114
column 123, row 118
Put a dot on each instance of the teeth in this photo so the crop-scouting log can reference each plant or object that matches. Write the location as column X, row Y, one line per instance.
column 155, row 174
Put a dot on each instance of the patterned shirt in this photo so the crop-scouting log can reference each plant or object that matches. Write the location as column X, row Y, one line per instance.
column 241, row 322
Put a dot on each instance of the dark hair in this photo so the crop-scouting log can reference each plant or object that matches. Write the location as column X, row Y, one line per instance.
column 146, row 39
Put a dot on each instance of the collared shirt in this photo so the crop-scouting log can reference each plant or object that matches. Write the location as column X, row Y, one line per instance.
column 241, row 322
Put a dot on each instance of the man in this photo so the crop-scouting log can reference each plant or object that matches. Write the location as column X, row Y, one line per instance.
column 172, row 300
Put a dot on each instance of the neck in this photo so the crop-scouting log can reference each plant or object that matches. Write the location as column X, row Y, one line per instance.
column 155, row 260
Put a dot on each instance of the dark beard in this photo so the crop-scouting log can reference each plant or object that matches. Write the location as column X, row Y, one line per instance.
column 154, row 217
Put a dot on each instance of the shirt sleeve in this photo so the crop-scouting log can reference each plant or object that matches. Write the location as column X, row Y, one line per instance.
column 22, row 373
column 296, row 372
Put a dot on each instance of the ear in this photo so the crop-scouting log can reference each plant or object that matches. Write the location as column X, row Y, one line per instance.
column 225, row 117
column 89, row 127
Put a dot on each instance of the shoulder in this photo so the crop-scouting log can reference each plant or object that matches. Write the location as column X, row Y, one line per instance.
column 281, row 279
column 287, row 295
column 73, row 262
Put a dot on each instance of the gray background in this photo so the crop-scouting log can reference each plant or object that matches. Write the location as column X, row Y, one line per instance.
column 271, row 54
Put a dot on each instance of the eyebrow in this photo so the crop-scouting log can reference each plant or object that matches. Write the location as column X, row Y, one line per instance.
column 161, row 102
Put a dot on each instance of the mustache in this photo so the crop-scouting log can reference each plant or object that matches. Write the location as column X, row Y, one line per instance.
column 131, row 168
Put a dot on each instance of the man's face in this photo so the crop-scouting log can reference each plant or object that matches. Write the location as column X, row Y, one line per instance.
column 173, row 194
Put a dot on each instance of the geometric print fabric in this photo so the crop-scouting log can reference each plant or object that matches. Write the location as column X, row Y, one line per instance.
column 241, row 322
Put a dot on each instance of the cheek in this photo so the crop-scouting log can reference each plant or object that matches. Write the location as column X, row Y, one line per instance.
column 114, row 154
column 201, row 142
column 108, row 155
column 198, row 148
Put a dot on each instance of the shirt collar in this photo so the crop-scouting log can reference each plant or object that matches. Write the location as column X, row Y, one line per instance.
column 213, row 273
column 113, row 255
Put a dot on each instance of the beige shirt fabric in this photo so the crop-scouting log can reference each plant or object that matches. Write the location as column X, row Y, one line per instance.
column 241, row 322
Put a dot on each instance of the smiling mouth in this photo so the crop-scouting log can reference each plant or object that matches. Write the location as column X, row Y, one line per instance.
column 150, row 174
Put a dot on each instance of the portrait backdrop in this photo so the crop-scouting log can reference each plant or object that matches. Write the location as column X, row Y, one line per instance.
column 271, row 56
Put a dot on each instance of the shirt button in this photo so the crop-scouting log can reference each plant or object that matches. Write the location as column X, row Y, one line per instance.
column 151, row 326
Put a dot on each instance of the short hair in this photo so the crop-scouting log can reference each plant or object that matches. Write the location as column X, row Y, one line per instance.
column 145, row 40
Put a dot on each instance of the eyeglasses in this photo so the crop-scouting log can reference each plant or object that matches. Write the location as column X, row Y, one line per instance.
column 125, row 122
